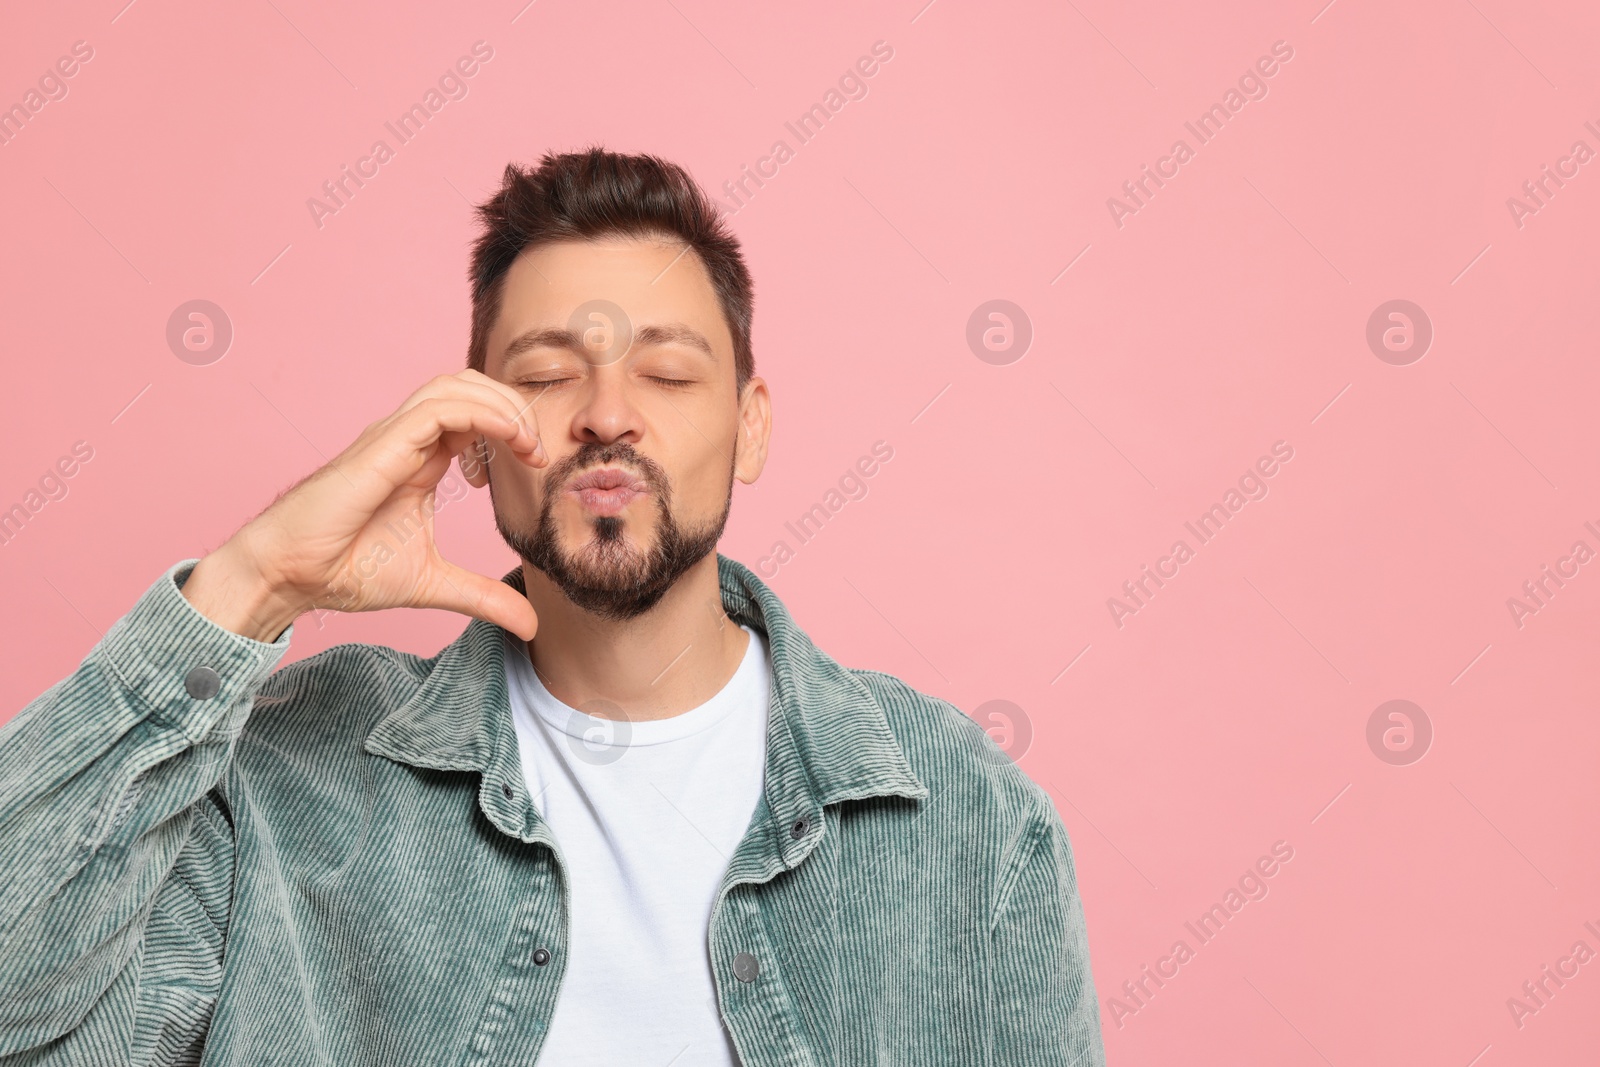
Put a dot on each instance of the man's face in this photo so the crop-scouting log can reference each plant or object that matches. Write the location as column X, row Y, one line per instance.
column 623, row 356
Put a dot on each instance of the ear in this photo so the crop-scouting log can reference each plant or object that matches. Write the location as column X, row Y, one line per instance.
column 755, row 428
column 475, row 464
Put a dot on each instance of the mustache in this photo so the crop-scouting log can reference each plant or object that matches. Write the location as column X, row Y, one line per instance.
column 619, row 454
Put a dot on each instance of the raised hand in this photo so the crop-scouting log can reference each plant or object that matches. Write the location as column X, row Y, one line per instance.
column 301, row 552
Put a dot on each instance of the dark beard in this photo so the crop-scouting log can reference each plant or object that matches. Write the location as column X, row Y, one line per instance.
column 609, row 579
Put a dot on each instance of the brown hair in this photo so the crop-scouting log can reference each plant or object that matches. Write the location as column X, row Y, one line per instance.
column 593, row 194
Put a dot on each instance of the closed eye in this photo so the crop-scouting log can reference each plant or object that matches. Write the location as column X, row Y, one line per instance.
column 546, row 382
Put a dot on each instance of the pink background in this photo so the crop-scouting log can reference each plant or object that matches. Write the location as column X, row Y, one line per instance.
column 1225, row 315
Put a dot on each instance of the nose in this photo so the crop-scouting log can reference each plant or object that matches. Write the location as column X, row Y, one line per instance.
column 607, row 414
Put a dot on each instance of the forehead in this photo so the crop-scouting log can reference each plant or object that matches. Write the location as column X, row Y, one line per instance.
column 653, row 280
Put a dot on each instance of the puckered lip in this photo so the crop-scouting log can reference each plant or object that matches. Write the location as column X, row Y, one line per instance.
column 609, row 478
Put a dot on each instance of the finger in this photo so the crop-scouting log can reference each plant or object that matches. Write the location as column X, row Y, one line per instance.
column 524, row 409
column 415, row 435
column 475, row 454
column 446, row 386
column 476, row 383
column 471, row 383
column 397, row 450
column 510, row 392
column 468, row 593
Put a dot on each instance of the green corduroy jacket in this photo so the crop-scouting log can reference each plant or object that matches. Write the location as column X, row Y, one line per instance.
column 337, row 863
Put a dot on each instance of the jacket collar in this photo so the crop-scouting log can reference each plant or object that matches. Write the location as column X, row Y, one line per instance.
column 827, row 736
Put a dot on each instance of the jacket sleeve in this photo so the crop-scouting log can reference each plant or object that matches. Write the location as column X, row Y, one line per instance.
column 116, row 850
column 1043, row 1011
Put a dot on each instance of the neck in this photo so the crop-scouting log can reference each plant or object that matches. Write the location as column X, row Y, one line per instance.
column 670, row 660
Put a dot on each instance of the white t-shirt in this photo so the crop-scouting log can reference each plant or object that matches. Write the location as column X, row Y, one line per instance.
column 646, row 815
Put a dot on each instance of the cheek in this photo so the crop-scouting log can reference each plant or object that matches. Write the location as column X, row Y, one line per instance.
column 700, row 485
column 518, row 489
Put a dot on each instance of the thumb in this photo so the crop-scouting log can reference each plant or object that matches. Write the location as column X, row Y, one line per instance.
column 485, row 598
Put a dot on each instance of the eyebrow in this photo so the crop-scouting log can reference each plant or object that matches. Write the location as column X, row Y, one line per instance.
column 561, row 337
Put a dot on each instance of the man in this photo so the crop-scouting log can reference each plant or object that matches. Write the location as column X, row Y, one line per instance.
column 631, row 816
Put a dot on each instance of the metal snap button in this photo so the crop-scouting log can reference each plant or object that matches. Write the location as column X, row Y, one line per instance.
column 798, row 829
column 202, row 683
column 745, row 967
column 505, row 787
column 541, row 957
